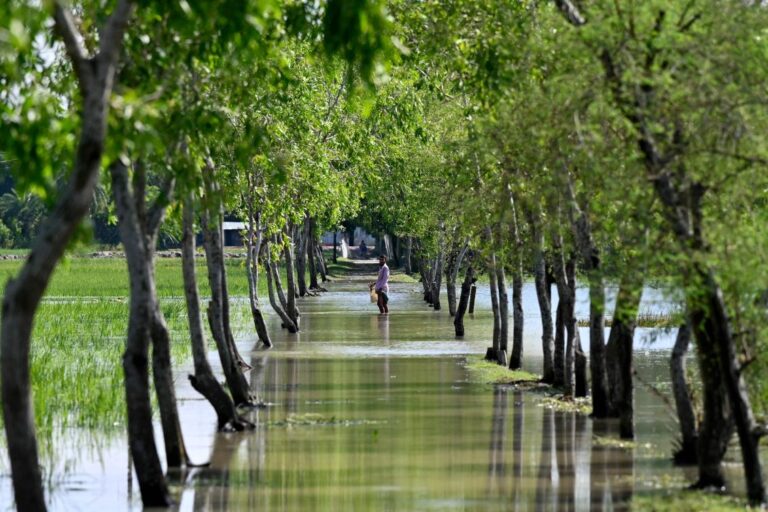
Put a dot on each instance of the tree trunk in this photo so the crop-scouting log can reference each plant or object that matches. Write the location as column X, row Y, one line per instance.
column 335, row 245
column 236, row 382
column 23, row 293
column 559, row 359
column 618, row 354
column 545, row 308
column 139, row 228
column 687, row 451
column 311, row 263
column 492, row 354
column 715, row 341
column 203, row 381
column 501, row 283
column 273, row 281
column 601, row 406
column 437, row 279
column 469, row 280
column 450, row 282
column 322, row 265
column 300, row 256
column 564, row 273
column 136, row 357
column 253, row 247
column 451, row 274
column 472, row 294
column 291, row 308
column 407, row 257
column 580, row 368
column 516, row 360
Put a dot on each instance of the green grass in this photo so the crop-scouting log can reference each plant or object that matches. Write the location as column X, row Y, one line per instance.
column 687, row 501
column 487, row 372
column 79, row 337
column 108, row 277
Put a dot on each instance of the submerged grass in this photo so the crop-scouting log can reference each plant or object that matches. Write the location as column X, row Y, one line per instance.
column 687, row 501
column 487, row 372
column 79, row 337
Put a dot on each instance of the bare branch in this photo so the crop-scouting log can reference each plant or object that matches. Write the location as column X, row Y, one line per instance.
column 112, row 35
column 571, row 12
column 158, row 209
column 71, row 37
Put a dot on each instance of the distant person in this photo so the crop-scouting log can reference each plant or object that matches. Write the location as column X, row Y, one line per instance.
column 382, row 286
column 363, row 249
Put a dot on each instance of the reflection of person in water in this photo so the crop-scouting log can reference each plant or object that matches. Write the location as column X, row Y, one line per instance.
column 363, row 249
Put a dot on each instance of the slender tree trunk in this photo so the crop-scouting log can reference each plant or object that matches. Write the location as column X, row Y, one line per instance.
column 545, row 308
column 580, row 368
column 321, row 264
column 407, row 257
column 272, row 283
column 437, row 280
column 493, row 351
column 501, row 283
column 450, row 282
column 300, row 255
column 451, row 274
column 203, row 381
column 136, row 357
column 311, row 263
column 238, row 386
column 23, row 293
column 253, row 247
column 516, row 360
column 472, row 295
column 291, row 308
column 716, row 348
column 335, row 245
column 559, row 356
column 139, row 229
column 469, row 280
column 601, row 407
column 618, row 354
column 687, row 452
column 162, row 374
column 566, row 291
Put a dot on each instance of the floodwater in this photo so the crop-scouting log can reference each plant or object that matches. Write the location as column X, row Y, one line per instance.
column 377, row 413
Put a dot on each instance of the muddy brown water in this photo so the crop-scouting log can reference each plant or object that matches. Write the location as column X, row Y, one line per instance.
column 378, row 413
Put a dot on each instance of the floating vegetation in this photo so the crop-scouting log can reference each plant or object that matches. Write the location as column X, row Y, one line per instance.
column 558, row 403
column 613, row 442
column 311, row 419
column 488, row 372
column 659, row 320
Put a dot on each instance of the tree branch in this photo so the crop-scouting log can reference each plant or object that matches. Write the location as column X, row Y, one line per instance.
column 71, row 37
column 157, row 211
column 571, row 13
column 111, row 36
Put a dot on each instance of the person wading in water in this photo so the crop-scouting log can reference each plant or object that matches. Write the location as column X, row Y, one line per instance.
column 382, row 286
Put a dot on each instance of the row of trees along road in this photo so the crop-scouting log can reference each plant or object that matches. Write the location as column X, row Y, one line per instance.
column 191, row 109
column 607, row 145
column 616, row 145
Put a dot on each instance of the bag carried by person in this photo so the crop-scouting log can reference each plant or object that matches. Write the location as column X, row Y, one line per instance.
column 374, row 296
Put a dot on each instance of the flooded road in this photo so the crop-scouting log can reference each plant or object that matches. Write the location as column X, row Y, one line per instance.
column 377, row 413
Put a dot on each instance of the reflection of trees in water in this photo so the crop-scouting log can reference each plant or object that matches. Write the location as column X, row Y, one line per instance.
column 517, row 448
column 498, row 433
column 574, row 471
column 212, row 484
